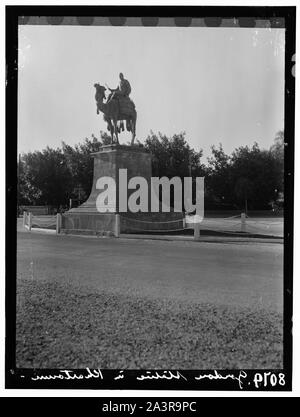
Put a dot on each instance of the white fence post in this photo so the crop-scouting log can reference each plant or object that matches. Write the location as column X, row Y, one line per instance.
column 183, row 223
column 24, row 218
column 117, row 225
column 29, row 221
column 197, row 231
column 58, row 223
column 243, row 222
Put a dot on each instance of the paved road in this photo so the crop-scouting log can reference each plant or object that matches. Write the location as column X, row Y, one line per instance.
column 247, row 274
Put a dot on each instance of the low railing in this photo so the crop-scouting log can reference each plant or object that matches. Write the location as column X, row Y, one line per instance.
column 49, row 223
column 230, row 225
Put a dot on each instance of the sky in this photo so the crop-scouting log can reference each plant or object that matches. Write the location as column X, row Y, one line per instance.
column 216, row 84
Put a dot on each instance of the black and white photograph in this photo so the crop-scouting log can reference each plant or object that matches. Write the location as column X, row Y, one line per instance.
column 150, row 206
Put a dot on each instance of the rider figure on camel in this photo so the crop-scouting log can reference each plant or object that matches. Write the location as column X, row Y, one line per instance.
column 123, row 90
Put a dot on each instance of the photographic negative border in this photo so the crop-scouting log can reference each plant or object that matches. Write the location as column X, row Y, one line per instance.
column 181, row 16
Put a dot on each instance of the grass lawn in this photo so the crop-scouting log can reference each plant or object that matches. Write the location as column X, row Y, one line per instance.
column 64, row 325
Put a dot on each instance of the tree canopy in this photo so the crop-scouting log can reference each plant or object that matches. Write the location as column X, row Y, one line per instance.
column 249, row 177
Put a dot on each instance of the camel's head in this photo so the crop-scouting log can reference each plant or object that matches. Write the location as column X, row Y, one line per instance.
column 100, row 88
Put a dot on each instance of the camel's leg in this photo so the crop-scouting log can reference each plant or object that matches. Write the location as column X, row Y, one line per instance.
column 112, row 134
column 133, row 125
column 116, row 129
column 111, row 129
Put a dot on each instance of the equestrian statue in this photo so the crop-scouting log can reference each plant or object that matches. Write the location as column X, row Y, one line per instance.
column 117, row 108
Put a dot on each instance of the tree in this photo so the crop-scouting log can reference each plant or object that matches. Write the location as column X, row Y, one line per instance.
column 277, row 149
column 255, row 174
column 277, row 152
column 52, row 176
column 244, row 190
column 28, row 194
column 173, row 156
column 250, row 178
column 44, row 178
column 219, row 190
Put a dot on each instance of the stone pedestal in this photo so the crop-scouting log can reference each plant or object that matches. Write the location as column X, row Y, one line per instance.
column 86, row 219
